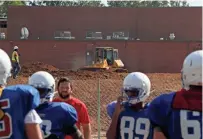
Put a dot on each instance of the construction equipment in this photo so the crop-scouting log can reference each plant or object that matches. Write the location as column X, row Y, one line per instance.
column 105, row 58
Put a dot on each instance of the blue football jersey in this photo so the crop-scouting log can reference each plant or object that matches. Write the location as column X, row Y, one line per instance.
column 16, row 101
column 56, row 117
column 134, row 124
column 175, row 123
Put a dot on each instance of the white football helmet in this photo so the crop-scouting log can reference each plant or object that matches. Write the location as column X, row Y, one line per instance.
column 138, row 83
column 192, row 70
column 45, row 83
column 5, row 67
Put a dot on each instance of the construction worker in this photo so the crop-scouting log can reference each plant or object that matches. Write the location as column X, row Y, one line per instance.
column 15, row 62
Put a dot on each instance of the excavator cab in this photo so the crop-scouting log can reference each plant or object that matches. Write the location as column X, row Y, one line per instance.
column 104, row 53
column 109, row 55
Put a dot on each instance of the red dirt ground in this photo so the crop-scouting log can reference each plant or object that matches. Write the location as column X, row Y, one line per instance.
column 86, row 86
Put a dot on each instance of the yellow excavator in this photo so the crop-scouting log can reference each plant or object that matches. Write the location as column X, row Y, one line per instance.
column 105, row 58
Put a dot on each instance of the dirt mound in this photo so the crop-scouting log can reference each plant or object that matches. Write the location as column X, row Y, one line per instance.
column 87, row 75
column 29, row 68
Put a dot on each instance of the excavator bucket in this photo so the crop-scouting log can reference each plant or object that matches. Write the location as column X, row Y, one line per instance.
column 97, row 66
column 118, row 64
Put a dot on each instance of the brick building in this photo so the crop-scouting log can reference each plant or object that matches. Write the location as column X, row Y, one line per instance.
column 147, row 24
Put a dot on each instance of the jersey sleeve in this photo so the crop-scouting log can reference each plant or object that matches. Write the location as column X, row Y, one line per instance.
column 32, row 118
column 25, row 95
column 159, row 109
column 83, row 114
column 70, row 114
column 111, row 108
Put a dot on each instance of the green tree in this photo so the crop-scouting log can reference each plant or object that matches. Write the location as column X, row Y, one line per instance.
column 164, row 3
column 53, row 3
column 4, row 6
column 174, row 3
column 147, row 3
column 130, row 4
column 67, row 3
column 179, row 3
column 90, row 3
column 156, row 4
column 185, row 3
column 59, row 3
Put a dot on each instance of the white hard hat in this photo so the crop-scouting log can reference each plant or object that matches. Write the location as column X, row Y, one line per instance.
column 15, row 47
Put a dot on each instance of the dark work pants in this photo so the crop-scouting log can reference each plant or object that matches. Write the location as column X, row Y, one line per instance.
column 16, row 69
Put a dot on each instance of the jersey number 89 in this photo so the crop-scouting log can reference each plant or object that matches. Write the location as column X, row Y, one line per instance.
column 129, row 130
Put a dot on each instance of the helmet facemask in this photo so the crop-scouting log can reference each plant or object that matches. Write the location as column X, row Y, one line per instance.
column 46, row 94
column 134, row 95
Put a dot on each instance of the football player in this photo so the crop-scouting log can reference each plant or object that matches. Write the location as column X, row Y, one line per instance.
column 18, row 118
column 179, row 114
column 130, row 119
column 59, row 119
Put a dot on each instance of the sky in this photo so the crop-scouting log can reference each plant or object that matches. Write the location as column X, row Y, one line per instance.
column 191, row 2
column 195, row 2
